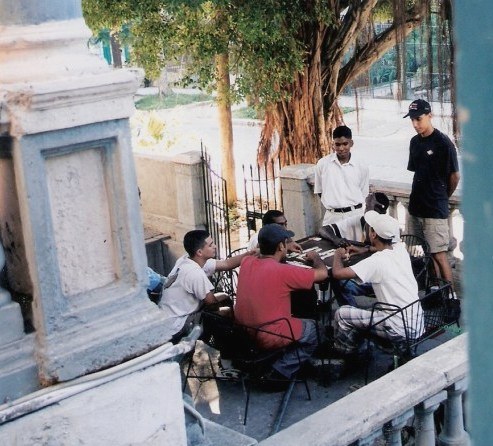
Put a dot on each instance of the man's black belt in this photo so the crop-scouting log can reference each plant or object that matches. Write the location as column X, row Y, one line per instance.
column 347, row 209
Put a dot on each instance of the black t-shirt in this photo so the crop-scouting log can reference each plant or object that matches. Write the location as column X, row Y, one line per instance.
column 432, row 159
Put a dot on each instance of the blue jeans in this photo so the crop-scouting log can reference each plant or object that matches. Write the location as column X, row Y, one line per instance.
column 345, row 291
column 288, row 364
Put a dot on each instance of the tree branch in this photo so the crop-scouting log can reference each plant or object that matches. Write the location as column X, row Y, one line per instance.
column 365, row 56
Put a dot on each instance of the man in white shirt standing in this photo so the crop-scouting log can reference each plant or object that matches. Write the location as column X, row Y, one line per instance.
column 342, row 183
column 192, row 289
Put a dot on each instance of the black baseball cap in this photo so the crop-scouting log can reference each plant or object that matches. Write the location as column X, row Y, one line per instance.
column 273, row 233
column 417, row 108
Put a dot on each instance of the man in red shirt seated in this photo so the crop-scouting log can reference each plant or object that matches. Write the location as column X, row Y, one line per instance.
column 264, row 294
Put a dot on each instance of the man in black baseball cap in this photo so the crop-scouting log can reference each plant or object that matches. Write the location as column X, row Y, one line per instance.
column 417, row 108
column 433, row 159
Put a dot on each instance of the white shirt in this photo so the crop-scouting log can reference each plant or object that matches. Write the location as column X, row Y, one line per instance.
column 391, row 275
column 253, row 242
column 350, row 227
column 190, row 288
column 341, row 185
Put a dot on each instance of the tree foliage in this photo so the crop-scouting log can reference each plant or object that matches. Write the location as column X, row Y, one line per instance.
column 292, row 58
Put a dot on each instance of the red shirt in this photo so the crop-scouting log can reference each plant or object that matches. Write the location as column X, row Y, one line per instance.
column 264, row 294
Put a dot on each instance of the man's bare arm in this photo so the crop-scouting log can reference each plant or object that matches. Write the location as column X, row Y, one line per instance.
column 327, row 233
column 233, row 262
column 339, row 271
column 211, row 298
column 321, row 272
column 453, row 181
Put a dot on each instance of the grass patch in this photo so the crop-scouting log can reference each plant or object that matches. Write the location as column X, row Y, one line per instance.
column 170, row 100
column 245, row 113
column 251, row 113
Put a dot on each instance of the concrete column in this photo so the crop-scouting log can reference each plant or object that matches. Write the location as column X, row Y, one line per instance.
column 190, row 192
column 453, row 433
column 80, row 241
column 425, row 424
column 172, row 196
column 301, row 206
column 392, row 429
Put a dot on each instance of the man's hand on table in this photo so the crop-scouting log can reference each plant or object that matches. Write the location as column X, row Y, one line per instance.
column 318, row 265
column 312, row 256
column 342, row 253
column 292, row 246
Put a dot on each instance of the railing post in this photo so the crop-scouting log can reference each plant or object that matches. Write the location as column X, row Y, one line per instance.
column 370, row 440
column 425, row 425
column 453, row 433
column 392, row 429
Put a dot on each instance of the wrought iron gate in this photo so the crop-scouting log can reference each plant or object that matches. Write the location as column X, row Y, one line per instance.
column 216, row 206
column 262, row 188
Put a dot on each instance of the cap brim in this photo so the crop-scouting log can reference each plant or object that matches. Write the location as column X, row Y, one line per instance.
column 415, row 114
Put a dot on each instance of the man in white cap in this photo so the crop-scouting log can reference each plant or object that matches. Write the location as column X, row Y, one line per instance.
column 390, row 273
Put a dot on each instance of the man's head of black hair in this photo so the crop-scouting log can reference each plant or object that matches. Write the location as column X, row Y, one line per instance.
column 342, row 132
column 194, row 240
column 270, row 216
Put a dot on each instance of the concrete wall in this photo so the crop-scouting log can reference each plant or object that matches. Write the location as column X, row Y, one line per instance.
column 172, row 198
column 143, row 406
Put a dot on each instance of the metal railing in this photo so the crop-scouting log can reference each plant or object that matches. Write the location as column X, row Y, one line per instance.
column 216, row 206
column 262, row 189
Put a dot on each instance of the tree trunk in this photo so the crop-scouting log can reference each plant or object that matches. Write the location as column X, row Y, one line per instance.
column 116, row 52
column 226, row 126
column 298, row 129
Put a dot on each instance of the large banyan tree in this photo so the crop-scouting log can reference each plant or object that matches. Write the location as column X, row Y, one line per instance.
column 290, row 58
column 340, row 47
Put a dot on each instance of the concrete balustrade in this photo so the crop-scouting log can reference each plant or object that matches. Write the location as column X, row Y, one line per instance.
column 387, row 404
column 304, row 210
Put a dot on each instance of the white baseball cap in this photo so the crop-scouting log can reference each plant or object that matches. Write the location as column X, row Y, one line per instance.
column 384, row 225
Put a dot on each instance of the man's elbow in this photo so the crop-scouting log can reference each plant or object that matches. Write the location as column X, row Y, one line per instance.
column 321, row 274
column 338, row 275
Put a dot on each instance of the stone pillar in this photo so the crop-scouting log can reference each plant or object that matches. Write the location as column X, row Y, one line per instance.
column 64, row 114
column 172, row 195
column 190, row 199
column 453, row 433
column 425, row 423
column 392, row 429
column 301, row 206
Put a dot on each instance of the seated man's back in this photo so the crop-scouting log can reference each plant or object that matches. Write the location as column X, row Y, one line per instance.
column 264, row 294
